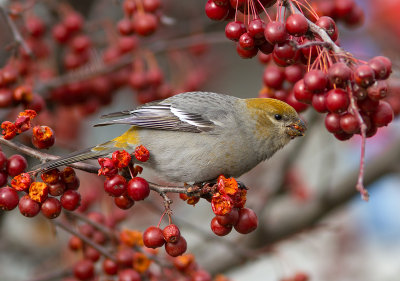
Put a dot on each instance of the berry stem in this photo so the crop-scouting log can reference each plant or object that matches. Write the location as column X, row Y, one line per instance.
column 363, row 128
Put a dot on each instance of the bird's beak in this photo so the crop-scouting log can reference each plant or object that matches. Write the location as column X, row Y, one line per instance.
column 297, row 129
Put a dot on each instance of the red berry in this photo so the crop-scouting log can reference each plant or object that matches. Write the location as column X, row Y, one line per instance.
column 110, row 267
column 297, row 105
column 382, row 67
column 6, row 98
column 151, row 5
column 75, row 243
column 91, row 253
column 201, row 275
column 115, row 186
column 355, row 18
column 125, row 26
column 3, row 178
column 153, row 237
column 332, row 123
column 144, row 24
column 248, row 221
column 124, row 202
column 246, row 41
column 60, row 33
column 35, row 26
column 229, row 219
column 342, row 136
column 266, row 48
column 378, row 90
column 125, row 257
column 256, row 28
column 349, row 123
column 368, row 105
column 138, row 188
column 383, row 115
column 219, row 229
column 28, row 207
column 285, row 52
column 8, row 198
column 246, row 53
column 315, row 80
column 296, row 25
column 171, row 233
column 129, row 7
column 275, row 32
column 293, row 73
column 216, row 12
column 51, row 208
column 329, row 25
column 57, row 189
column 3, row 160
column 177, row 248
column 234, row 29
column 70, row 200
column 273, row 76
column 339, row 73
column 343, row 7
column 73, row 22
column 16, row 164
column 84, row 270
column 80, row 43
column 364, row 75
column 337, row 100
column 129, row 275
column 301, row 93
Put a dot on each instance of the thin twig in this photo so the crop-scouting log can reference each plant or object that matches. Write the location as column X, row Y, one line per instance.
column 15, row 32
column 85, row 239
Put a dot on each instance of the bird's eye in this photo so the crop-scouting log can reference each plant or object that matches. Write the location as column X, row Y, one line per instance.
column 278, row 116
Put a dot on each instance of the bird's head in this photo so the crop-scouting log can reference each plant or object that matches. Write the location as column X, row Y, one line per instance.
column 276, row 122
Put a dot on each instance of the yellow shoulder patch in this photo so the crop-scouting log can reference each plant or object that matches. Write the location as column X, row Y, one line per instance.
column 130, row 137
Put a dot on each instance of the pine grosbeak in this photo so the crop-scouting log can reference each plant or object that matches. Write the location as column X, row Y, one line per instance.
column 197, row 136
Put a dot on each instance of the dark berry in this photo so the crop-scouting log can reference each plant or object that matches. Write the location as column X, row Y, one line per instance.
column 28, row 207
column 124, row 202
column 229, row 219
column 216, row 12
column 378, row 90
column 301, row 93
column 138, row 188
column 273, row 76
column 315, row 80
column 51, row 208
column 364, row 75
column 349, row 123
column 115, row 185
column 246, row 41
column 16, row 164
column 329, row 25
column 332, row 123
column 70, row 200
column 234, row 30
column 383, row 114
column 110, row 267
column 337, row 100
column 84, row 269
column 256, row 28
column 125, row 257
column 275, row 32
column 339, row 73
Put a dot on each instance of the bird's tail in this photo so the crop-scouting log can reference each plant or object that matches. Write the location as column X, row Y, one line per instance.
column 78, row 156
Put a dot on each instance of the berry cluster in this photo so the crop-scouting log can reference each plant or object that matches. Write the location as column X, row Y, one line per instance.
column 125, row 193
column 170, row 237
column 141, row 17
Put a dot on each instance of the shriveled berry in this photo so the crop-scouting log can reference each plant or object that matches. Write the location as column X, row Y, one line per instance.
column 28, row 207
column 138, row 188
column 219, row 229
column 171, row 233
column 8, row 198
column 51, row 208
column 248, row 221
column 153, row 237
column 177, row 248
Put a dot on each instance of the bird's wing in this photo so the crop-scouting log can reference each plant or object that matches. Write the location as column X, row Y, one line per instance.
column 163, row 117
column 188, row 112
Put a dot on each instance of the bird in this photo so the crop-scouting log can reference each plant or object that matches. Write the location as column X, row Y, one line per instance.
column 198, row 136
